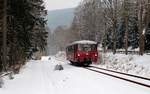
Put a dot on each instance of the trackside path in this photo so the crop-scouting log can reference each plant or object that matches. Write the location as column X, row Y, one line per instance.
column 32, row 80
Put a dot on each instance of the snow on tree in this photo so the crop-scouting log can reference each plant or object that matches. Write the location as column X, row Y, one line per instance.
column 116, row 24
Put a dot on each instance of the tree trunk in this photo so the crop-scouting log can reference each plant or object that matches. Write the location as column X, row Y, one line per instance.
column 114, row 38
column 4, row 60
column 140, row 27
column 126, row 25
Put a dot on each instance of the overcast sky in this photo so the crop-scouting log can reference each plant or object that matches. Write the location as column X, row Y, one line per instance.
column 61, row 4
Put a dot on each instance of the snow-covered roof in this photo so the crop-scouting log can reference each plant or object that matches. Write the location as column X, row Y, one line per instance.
column 86, row 1
column 84, row 42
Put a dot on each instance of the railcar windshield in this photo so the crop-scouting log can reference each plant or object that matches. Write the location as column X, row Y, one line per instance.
column 87, row 47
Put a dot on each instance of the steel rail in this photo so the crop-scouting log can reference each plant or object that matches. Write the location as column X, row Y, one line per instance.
column 144, row 78
column 125, row 79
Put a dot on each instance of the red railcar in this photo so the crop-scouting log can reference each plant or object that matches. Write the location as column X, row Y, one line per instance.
column 82, row 52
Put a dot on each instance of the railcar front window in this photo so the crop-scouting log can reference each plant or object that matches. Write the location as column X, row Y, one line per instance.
column 94, row 47
column 84, row 47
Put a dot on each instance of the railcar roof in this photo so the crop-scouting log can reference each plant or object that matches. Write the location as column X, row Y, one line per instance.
column 83, row 42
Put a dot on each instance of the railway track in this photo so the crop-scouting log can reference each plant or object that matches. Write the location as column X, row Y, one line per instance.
column 142, row 81
column 139, row 80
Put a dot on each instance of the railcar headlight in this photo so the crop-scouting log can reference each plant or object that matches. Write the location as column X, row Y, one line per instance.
column 95, row 54
column 78, row 55
column 87, row 53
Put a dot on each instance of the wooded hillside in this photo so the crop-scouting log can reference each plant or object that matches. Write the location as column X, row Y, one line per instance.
column 22, row 28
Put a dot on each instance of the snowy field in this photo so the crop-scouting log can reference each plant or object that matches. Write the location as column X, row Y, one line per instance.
column 39, row 77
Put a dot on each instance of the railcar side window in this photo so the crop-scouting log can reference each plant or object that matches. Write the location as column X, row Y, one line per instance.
column 70, row 49
column 75, row 47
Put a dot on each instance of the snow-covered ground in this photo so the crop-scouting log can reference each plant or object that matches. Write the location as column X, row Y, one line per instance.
column 39, row 77
column 133, row 64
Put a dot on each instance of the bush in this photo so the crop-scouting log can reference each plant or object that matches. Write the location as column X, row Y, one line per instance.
column 58, row 67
